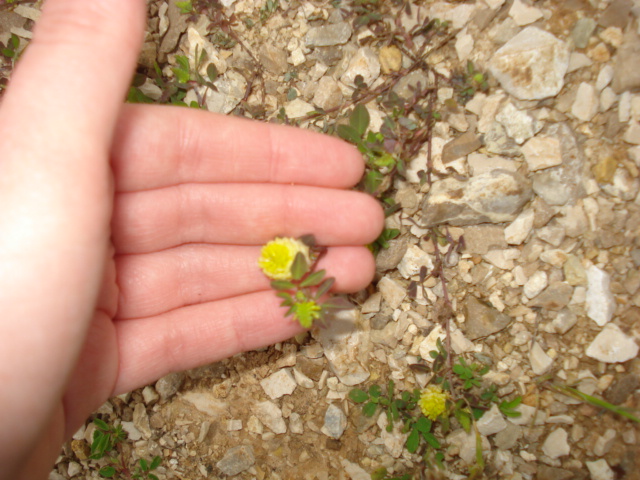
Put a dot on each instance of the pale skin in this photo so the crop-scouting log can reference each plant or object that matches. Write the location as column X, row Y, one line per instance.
column 130, row 235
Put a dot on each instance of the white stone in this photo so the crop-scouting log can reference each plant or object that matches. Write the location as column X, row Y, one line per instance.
column 604, row 77
column 503, row 258
column 295, row 423
column 607, row 98
column 413, row 261
column 234, row 425
column 298, row 108
column 540, row 361
column 585, row 105
column 278, row 384
column 536, row 284
column 74, row 469
column 335, row 422
column 604, row 442
column 577, row 61
column 365, row 62
column 150, row 395
column 542, row 152
column 541, row 55
column 476, row 104
column 491, row 422
column 519, row 124
column 600, row 470
column 564, row 321
column 556, row 445
column 524, row 14
column 601, row 303
column 624, row 107
column 302, row 379
column 464, row 46
column 271, row 416
column 392, row 292
column 612, row 345
column 466, row 443
column 519, row 229
column 133, row 433
column 297, row 57
column 526, row 415
column 634, row 154
column 632, row 135
column 494, row 4
column 354, row 471
column 27, row 12
column 394, row 440
column 479, row 163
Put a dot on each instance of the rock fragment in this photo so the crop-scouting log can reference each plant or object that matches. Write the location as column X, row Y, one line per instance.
column 582, row 31
column 278, row 384
column 524, row 14
column 392, row 292
column 600, row 470
column 493, row 197
column 539, row 360
column 491, row 422
column 169, row 385
column 585, row 105
column 626, row 75
column 364, row 63
column 328, row 35
column 612, row 345
column 481, row 319
column 601, row 304
column 237, row 460
column 460, row 147
column 271, row 416
column 532, row 65
column 519, row 229
column 335, row 422
column 542, row 152
column 556, row 444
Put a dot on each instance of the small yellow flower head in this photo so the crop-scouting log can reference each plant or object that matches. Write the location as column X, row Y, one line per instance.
column 277, row 257
column 433, row 402
column 307, row 312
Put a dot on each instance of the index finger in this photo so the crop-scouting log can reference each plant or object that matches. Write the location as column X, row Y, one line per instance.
column 161, row 146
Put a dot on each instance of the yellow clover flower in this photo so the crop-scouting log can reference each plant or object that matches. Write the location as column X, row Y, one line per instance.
column 307, row 312
column 433, row 402
column 278, row 255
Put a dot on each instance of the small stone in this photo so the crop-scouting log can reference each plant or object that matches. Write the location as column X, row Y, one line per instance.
column 494, row 197
column 585, row 105
column 604, row 442
column 237, row 460
column 407, row 85
column 233, row 425
column 149, row 395
column 491, row 422
column 270, row 416
column 177, row 26
column 582, row 31
column 612, row 345
column 600, row 470
column 74, row 469
column 607, row 99
column 298, row 108
column 389, row 258
column 622, row 388
column 279, row 384
column 527, row 414
column 390, row 59
column 364, row 63
column 524, row 14
column 273, row 59
column 295, row 424
column 539, row 360
column 502, row 259
column 542, row 152
column 461, row 146
column 605, row 169
column 80, row 449
column 532, row 65
column 519, row 125
column 577, row 61
column 480, row 163
column 328, row 94
column 141, row 420
column 133, row 434
column 552, row 473
column 556, row 445
column 564, row 321
column 632, row 135
column 612, row 35
column 555, row 297
column 328, row 35
column 617, row 14
column 536, row 284
column 335, row 422
column 601, row 304
column 355, row 471
column 466, row 445
column 464, row 46
column 302, row 379
column 507, row 438
column 481, row 319
column 392, row 292
column 498, row 142
column 604, row 77
column 479, row 239
column 626, row 76
column 413, row 261
column 169, row 385
column 519, row 229
column 574, row 272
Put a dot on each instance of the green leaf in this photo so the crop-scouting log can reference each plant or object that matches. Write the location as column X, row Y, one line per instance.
column 372, row 180
column 325, row 287
column 183, row 62
column 431, row 440
column 348, row 133
column 15, row 41
column 212, row 72
column 313, row 279
column 375, row 391
column 151, row 476
column 144, row 465
column 423, row 424
column 413, row 441
column 155, row 463
column 282, row 285
column 102, row 425
column 359, row 119
column 185, row 7
column 369, row 409
column 508, row 408
column 464, row 418
column 292, row 94
column 299, row 267
column 358, row 396
column 107, row 472
column 386, row 235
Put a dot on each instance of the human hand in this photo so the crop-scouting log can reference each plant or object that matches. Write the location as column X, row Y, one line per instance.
column 116, row 273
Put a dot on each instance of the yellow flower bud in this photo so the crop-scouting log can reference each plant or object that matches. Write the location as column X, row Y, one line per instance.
column 278, row 255
column 433, row 402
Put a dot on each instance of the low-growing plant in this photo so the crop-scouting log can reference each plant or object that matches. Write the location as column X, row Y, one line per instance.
column 106, row 440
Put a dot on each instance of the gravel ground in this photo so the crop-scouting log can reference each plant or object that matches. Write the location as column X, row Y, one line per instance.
column 533, row 174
